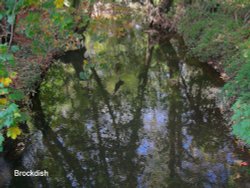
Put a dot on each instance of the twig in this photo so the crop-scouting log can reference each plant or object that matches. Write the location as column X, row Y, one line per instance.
column 246, row 16
column 1, row 25
column 12, row 25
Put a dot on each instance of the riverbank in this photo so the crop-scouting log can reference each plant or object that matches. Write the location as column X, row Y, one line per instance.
column 35, row 50
column 219, row 34
column 30, row 70
column 31, row 50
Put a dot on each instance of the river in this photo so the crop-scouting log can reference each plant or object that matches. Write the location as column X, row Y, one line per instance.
column 134, row 110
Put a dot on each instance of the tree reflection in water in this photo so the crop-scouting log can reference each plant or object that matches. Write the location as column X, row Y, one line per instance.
column 160, row 129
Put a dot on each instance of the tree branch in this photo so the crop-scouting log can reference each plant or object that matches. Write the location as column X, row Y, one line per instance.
column 12, row 25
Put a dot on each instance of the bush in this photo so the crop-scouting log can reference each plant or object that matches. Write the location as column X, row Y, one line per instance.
column 10, row 114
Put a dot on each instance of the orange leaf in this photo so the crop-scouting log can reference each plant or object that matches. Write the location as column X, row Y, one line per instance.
column 6, row 81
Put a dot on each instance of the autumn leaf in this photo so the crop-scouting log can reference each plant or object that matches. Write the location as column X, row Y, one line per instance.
column 59, row 3
column 244, row 164
column 6, row 81
column 13, row 132
column 13, row 75
column 3, row 101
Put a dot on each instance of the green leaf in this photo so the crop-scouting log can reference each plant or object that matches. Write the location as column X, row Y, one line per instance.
column 1, row 142
column 29, row 33
column 24, row 117
column 3, row 72
column 48, row 4
column 4, row 91
column 1, row 16
column 17, row 95
column 84, row 75
column 14, row 48
column 13, row 107
column 1, row 138
column 10, row 4
column 11, row 19
column 9, row 121
column 7, row 58
column 3, row 48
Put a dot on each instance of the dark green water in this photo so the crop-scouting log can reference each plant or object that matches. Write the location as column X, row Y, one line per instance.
column 143, row 115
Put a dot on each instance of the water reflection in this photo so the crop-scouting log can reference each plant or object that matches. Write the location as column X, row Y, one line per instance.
column 161, row 128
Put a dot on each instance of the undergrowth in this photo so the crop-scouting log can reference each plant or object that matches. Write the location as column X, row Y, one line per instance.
column 223, row 36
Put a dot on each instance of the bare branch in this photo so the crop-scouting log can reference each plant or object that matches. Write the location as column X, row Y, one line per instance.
column 13, row 24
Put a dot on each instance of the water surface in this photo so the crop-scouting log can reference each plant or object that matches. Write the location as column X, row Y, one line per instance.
column 138, row 112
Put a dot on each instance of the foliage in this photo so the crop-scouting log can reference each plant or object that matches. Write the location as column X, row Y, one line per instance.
column 239, row 86
column 208, row 37
column 10, row 114
column 223, row 36
column 59, row 3
column 13, row 132
column 241, row 120
column 48, row 24
column 86, row 73
column 51, row 25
